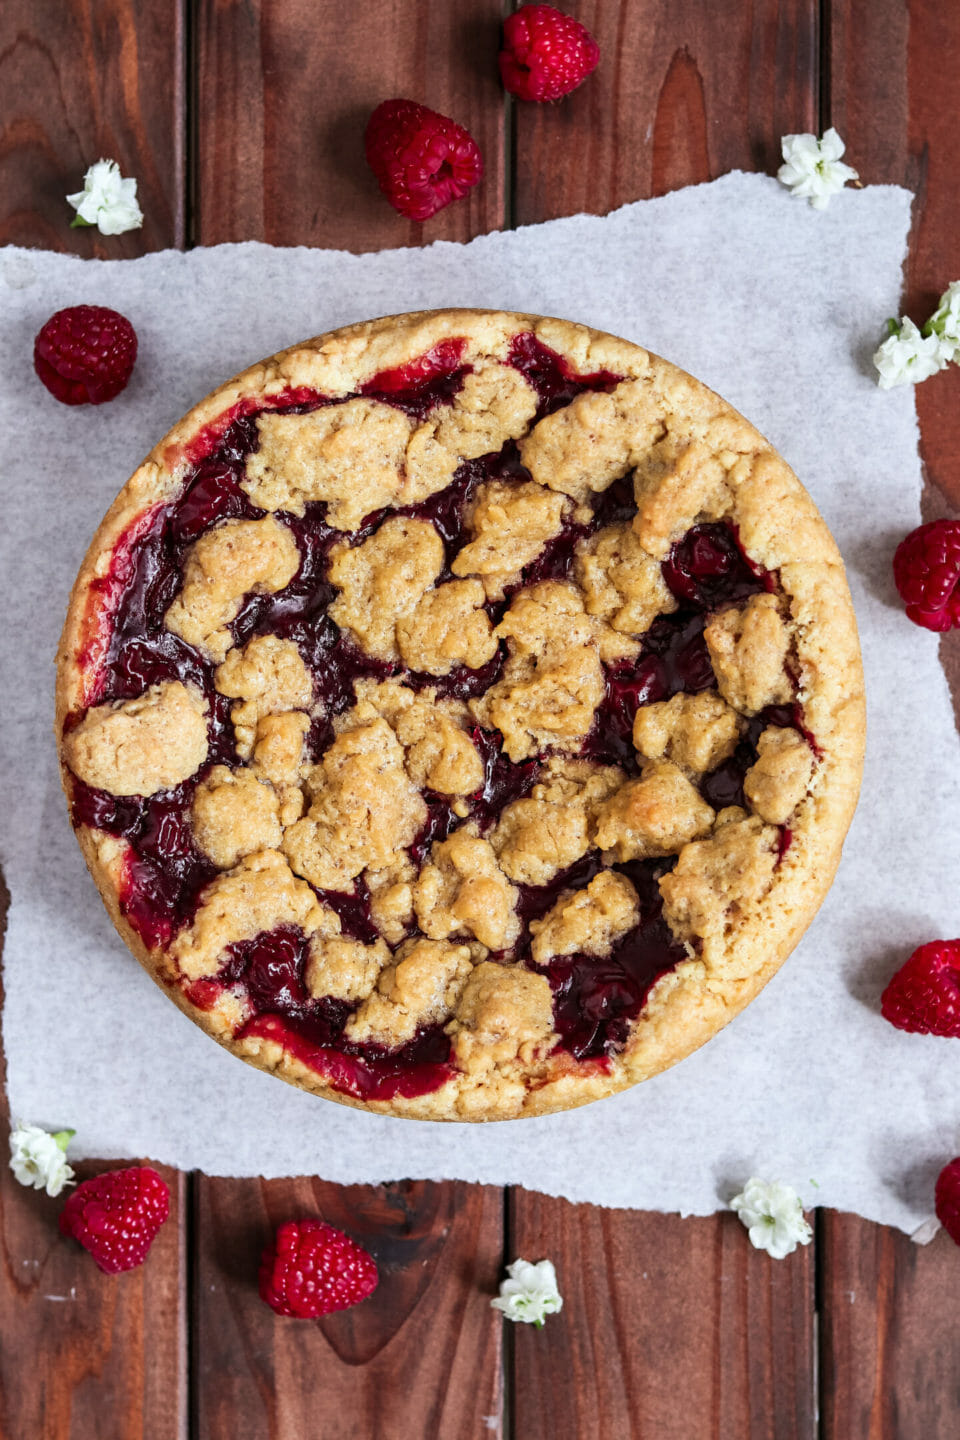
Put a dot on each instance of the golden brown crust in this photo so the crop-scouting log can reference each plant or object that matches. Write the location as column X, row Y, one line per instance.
column 694, row 459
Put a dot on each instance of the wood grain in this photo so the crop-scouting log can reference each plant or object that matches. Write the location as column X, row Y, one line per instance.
column 283, row 96
column 420, row 1359
column 81, row 80
column 674, row 1329
column 889, row 1310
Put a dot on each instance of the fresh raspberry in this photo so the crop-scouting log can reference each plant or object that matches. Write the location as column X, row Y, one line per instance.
column 311, row 1269
column 116, row 1216
column 924, row 995
column 947, row 1199
column 926, row 568
column 422, row 160
column 85, row 355
column 545, row 54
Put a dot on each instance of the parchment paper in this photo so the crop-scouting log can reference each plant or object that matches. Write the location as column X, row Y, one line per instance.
column 776, row 306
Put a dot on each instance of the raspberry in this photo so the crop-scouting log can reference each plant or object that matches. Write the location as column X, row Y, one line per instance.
column 312, row 1269
column 947, row 1199
column 545, row 54
column 924, row 995
column 926, row 568
column 116, row 1216
column 85, row 355
column 422, row 160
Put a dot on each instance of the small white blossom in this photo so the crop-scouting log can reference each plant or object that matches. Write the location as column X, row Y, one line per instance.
column 773, row 1216
column 944, row 323
column 530, row 1294
column 107, row 200
column 39, row 1159
column 812, row 168
column 908, row 356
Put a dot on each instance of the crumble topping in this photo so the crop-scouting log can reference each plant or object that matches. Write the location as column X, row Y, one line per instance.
column 234, row 815
column 438, row 754
column 391, row 899
column 278, row 750
column 589, row 921
column 463, row 892
column 555, row 825
column 715, row 881
column 656, row 815
column 447, row 627
column 268, row 676
column 678, row 484
column 421, row 987
column 493, row 405
column 778, row 781
column 342, row 968
column 595, row 439
column 504, row 1016
column 140, row 746
column 382, row 579
column 748, row 651
column 696, row 732
column 621, row 583
column 510, row 523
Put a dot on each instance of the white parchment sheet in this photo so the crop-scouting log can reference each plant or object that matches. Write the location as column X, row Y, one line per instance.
column 776, row 306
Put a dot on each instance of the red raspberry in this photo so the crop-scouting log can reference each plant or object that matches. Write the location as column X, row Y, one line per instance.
column 116, row 1216
column 926, row 568
column 545, row 54
column 947, row 1199
column 422, row 160
column 311, row 1269
column 85, row 355
column 924, row 995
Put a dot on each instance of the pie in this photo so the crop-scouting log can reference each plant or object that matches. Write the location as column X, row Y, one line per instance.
column 461, row 714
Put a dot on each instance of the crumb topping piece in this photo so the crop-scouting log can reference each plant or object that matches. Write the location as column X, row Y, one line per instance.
column 438, row 753
column 421, row 987
column 595, row 439
column 494, row 404
column 447, row 627
column 391, row 899
column 267, row 676
column 278, row 750
column 621, row 583
column 696, row 732
column 260, row 894
column 383, row 579
column 346, row 969
column 140, row 746
column 555, row 825
column 226, row 563
column 588, row 922
column 778, row 781
column 715, row 881
column 504, row 1017
column 678, row 484
column 748, row 651
column 234, row 815
column 462, row 891
column 653, row 816
column 510, row 523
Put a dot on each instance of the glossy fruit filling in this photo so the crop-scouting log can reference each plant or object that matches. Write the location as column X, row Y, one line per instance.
column 128, row 650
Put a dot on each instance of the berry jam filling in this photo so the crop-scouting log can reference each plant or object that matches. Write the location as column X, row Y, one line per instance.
column 594, row 1000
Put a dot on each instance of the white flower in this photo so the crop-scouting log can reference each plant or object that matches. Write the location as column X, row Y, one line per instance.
column 530, row 1294
column 812, row 168
column 39, row 1159
column 944, row 323
column 773, row 1216
column 106, row 200
column 908, row 356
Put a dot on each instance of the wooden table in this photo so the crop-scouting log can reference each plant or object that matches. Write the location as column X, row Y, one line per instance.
column 243, row 119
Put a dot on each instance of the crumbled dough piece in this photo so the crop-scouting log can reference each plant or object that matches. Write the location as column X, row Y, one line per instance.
column 391, row 899
column 678, row 484
column 448, row 627
column 232, row 560
column 510, row 523
column 655, row 815
column 260, row 894
column 589, row 921
column 504, row 1017
column 350, row 455
column 267, row 676
column 364, row 810
column 716, row 880
column 595, row 439
column 421, row 987
column 555, row 825
column 140, row 746
column 620, row 581
column 748, row 650
column 345, row 969
column 778, row 781
column 494, row 404
column 439, row 754
column 553, row 680
column 698, row 732
column 382, row 579
column 278, row 747
column 234, row 815
column 463, row 891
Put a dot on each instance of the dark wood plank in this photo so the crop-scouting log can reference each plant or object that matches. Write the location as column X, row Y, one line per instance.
column 285, row 91
column 81, row 80
column 420, row 1358
column 889, row 1343
column 670, row 1328
column 683, row 92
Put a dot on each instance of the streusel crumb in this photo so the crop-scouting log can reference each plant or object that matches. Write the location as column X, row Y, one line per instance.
column 267, row 676
column 697, row 732
column 504, row 1015
column 555, row 825
column 278, row 748
column 510, row 523
column 345, row 969
column 462, row 891
column 140, row 746
column 621, row 583
column 382, row 579
column 421, row 987
column 391, row 899
column 494, row 404
column 595, row 439
column 234, row 559
column 679, row 484
column 778, row 781
column 716, row 881
column 448, row 627
column 748, row 651
column 655, row 815
column 439, row 754
column 589, row 921
column 234, row 815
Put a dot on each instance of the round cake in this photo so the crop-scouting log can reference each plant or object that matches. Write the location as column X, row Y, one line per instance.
column 461, row 714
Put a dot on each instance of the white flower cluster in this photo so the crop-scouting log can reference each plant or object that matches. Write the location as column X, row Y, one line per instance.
column 773, row 1216
column 812, row 168
column 909, row 355
column 530, row 1293
column 107, row 200
column 39, row 1159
